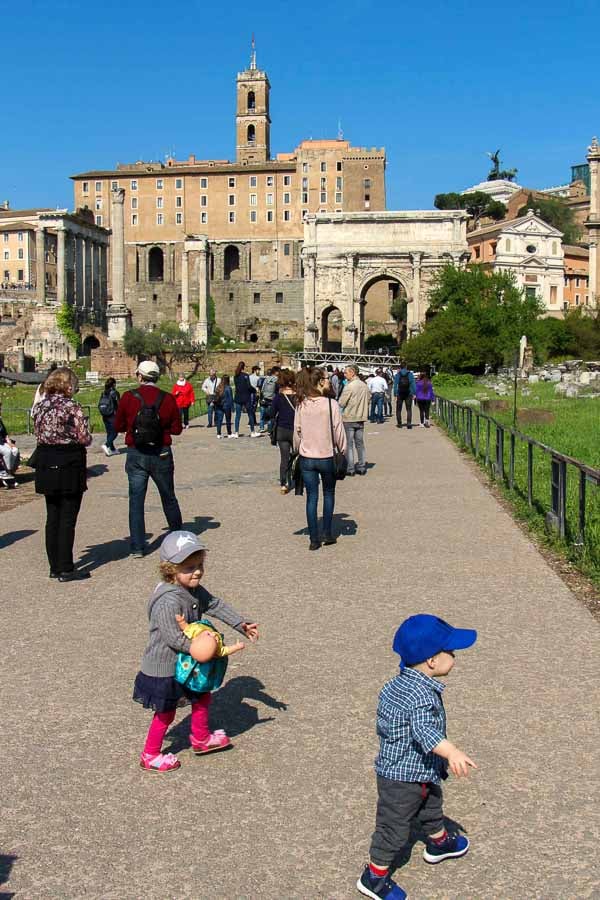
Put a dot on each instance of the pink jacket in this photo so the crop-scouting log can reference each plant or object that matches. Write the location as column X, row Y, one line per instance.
column 312, row 429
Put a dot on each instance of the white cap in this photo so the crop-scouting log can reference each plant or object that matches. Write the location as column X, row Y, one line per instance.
column 148, row 369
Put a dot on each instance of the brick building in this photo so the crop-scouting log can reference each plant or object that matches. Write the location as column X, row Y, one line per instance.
column 251, row 212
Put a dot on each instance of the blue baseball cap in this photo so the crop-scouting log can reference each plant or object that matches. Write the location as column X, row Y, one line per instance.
column 422, row 636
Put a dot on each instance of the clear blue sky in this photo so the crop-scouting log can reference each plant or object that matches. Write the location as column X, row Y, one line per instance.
column 435, row 83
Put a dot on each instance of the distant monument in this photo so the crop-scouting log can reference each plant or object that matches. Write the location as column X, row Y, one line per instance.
column 496, row 174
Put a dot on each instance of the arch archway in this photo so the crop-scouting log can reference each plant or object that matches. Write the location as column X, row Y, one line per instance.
column 251, row 100
column 156, row 264
column 251, row 134
column 383, row 308
column 90, row 343
column 231, row 262
column 331, row 330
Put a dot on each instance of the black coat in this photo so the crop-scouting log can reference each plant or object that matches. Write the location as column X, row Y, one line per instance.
column 60, row 469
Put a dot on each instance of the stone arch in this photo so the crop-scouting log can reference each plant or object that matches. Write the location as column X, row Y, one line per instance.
column 251, row 100
column 231, row 263
column 251, row 134
column 376, row 294
column 331, row 329
column 90, row 343
column 156, row 264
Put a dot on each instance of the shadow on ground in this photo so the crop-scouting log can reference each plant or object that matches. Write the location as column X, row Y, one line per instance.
column 343, row 525
column 230, row 711
column 11, row 538
column 6, row 864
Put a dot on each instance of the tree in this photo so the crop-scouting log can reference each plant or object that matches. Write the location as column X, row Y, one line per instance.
column 65, row 322
column 555, row 212
column 167, row 344
column 477, row 203
column 398, row 310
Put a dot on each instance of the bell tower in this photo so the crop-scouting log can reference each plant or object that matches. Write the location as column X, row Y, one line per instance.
column 252, row 121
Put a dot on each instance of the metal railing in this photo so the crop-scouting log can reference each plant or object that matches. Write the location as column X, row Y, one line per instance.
column 322, row 358
column 514, row 458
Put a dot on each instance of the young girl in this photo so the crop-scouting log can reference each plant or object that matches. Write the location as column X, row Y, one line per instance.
column 179, row 594
column 223, row 405
column 183, row 392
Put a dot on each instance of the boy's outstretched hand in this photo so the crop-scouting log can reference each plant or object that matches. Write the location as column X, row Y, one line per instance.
column 250, row 629
column 459, row 763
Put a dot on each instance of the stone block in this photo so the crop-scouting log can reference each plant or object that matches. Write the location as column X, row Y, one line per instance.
column 533, row 379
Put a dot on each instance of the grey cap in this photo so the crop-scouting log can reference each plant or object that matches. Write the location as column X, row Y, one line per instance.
column 178, row 545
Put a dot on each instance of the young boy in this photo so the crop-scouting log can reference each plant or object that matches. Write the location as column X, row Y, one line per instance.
column 414, row 754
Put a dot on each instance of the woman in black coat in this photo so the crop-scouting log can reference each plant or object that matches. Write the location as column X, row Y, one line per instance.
column 62, row 434
column 245, row 398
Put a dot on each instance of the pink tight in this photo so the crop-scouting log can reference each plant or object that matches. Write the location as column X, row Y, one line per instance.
column 199, row 730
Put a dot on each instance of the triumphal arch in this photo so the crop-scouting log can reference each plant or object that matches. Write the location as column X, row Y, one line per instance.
column 346, row 254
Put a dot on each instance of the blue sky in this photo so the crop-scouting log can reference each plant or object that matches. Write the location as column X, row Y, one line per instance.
column 436, row 84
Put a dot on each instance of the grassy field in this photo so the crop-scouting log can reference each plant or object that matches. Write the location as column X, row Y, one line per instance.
column 570, row 426
column 17, row 400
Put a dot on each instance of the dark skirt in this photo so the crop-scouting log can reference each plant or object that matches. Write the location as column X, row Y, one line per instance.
column 161, row 694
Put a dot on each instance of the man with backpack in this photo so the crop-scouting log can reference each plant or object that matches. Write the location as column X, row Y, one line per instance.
column 268, row 390
column 404, row 392
column 149, row 417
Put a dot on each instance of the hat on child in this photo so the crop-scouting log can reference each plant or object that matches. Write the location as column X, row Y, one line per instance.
column 422, row 636
column 179, row 545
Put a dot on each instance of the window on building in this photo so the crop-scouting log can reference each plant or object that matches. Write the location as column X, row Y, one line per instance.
column 577, row 298
column 85, row 187
column 493, row 246
column 7, row 254
column 231, row 218
column 231, row 296
column 159, row 184
column 477, row 252
column 133, row 185
column 338, row 197
column 322, row 210
column 339, row 165
column 251, row 134
column 253, row 199
column 305, row 197
column 19, row 236
column 20, row 275
column 251, row 100
column 253, row 181
column 323, row 167
column 114, row 185
column 231, row 199
column 203, row 200
column 554, row 248
column 253, row 215
column 339, row 183
column 287, row 215
column 99, row 220
column 305, row 167
column 323, row 197
column 179, row 202
column 286, row 249
column 257, row 297
column 6, row 237
column 304, row 213
column 577, row 281
column 367, row 184
column 269, row 215
column 134, row 219
column 323, row 184
column 160, row 219
column 287, row 197
column 98, row 202
column 159, row 202
column 287, row 180
column 553, row 294
column 178, row 218
column 269, row 181
column 204, row 183
column 134, row 202
column 269, row 199
column 367, row 198
column 508, row 245
column 279, row 297
column 98, row 187
column 204, row 218
column 156, row 264
column 7, row 274
column 20, row 253
column 231, row 182
column 178, row 184
column 530, row 292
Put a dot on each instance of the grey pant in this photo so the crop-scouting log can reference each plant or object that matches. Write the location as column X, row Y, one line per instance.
column 398, row 803
column 355, row 434
column 10, row 458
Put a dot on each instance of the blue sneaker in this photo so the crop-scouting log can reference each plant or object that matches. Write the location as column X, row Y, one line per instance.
column 454, row 846
column 379, row 888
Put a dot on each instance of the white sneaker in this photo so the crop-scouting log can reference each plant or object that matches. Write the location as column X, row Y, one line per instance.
column 220, row 437
column 234, row 435
column 106, row 450
column 255, row 434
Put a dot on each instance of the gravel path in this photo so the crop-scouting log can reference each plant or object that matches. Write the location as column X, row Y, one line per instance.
column 289, row 811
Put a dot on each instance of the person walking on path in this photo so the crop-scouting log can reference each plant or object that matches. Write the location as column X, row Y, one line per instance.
column 318, row 431
column 283, row 412
column 414, row 752
column 377, row 387
column 209, row 386
column 424, row 396
column 245, row 399
column 149, row 417
column 107, row 407
column 404, row 391
column 182, row 559
column 354, row 403
column 10, row 456
column 268, row 391
column 183, row 392
column 223, row 406
column 62, row 433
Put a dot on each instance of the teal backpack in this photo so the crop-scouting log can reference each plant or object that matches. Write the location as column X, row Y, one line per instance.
column 200, row 677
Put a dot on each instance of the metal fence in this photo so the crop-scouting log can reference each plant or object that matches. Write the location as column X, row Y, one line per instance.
column 552, row 483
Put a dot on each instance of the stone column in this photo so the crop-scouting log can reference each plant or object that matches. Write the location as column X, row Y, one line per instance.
column 79, row 272
column 61, row 267
column 117, row 314
column 415, row 307
column 311, row 334
column 103, row 271
column 350, row 330
column 593, row 222
column 88, row 256
column 203, row 290
column 185, row 291
column 96, row 273
column 40, row 264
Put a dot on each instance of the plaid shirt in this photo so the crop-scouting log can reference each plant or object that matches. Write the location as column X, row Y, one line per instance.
column 411, row 721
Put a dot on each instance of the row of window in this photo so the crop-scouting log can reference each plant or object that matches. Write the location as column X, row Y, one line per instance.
column 160, row 218
column 339, row 166
column 7, row 236
column 20, row 273
column 231, row 182
column 20, row 254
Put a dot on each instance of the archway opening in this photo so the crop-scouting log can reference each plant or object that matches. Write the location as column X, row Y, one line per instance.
column 383, row 312
column 331, row 330
column 254, row 338
column 251, row 134
column 231, row 262
column 251, row 100
column 90, row 343
column 156, row 264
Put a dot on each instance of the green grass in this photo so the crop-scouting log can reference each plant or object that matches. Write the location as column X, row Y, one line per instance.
column 17, row 400
column 573, row 432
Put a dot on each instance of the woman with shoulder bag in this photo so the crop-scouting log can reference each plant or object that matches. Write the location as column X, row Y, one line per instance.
column 320, row 440
column 107, row 406
column 62, row 434
column 282, row 435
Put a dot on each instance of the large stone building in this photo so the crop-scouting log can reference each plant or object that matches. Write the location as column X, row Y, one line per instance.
column 242, row 220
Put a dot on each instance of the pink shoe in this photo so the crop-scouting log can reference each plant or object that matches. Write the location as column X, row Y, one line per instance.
column 164, row 762
column 218, row 740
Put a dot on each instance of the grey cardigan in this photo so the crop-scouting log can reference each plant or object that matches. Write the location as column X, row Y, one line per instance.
column 166, row 637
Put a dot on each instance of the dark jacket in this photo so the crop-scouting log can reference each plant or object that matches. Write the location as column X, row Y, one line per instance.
column 60, row 469
column 244, row 392
column 224, row 401
column 284, row 407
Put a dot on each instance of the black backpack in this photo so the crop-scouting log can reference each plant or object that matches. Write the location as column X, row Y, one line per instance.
column 107, row 405
column 404, row 384
column 147, row 429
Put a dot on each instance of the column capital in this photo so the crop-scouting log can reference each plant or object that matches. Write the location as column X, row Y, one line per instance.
column 117, row 195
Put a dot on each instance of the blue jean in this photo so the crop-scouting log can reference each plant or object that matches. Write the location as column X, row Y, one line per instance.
column 311, row 469
column 160, row 468
column 221, row 414
column 211, row 410
column 238, row 415
column 377, row 408
column 109, row 425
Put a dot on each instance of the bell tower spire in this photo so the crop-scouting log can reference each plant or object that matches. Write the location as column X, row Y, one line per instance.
column 252, row 121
